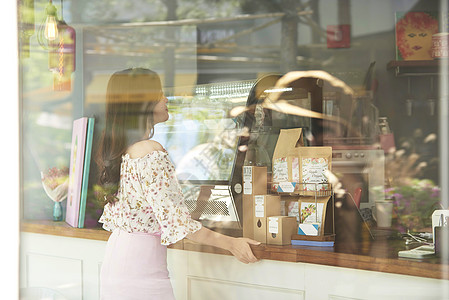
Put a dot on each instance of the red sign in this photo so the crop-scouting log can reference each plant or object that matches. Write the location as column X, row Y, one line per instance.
column 339, row 36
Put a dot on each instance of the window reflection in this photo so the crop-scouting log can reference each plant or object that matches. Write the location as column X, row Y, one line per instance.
column 389, row 138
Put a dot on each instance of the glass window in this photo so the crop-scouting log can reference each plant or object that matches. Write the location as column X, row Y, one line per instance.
column 367, row 78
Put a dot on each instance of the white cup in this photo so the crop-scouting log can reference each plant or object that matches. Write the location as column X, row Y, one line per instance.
column 383, row 213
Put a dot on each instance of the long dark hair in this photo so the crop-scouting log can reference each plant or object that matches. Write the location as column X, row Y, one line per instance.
column 131, row 94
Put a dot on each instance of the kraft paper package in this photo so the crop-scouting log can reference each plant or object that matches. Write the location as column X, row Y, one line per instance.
column 280, row 230
column 264, row 206
column 315, row 215
column 254, row 183
column 309, row 166
column 288, row 141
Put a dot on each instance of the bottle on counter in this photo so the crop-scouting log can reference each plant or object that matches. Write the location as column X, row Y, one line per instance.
column 386, row 137
column 384, row 126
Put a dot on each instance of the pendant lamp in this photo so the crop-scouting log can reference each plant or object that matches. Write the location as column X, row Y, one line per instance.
column 61, row 55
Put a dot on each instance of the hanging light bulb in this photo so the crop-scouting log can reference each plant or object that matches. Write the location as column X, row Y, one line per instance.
column 51, row 25
column 48, row 28
column 51, row 28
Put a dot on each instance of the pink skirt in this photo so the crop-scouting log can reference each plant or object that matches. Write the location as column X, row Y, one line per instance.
column 135, row 267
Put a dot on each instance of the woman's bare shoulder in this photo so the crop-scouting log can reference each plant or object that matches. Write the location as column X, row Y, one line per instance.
column 142, row 148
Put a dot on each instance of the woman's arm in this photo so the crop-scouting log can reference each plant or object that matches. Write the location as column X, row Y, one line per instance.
column 239, row 247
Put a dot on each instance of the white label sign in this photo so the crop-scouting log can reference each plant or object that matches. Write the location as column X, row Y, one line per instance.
column 247, row 180
column 273, row 225
column 259, row 199
column 311, row 212
column 247, row 173
column 280, row 170
column 313, row 173
column 259, row 207
column 247, row 188
column 286, row 187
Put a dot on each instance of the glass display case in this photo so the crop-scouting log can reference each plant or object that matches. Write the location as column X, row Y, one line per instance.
column 215, row 129
column 202, row 140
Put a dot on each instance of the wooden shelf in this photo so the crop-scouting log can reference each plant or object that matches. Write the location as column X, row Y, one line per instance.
column 374, row 255
column 414, row 67
column 63, row 229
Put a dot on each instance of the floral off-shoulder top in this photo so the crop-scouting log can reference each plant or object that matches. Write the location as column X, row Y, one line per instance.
column 150, row 200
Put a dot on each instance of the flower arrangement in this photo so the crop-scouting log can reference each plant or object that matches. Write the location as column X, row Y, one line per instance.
column 408, row 171
column 413, row 204
column 308, row 211
column 55, row 182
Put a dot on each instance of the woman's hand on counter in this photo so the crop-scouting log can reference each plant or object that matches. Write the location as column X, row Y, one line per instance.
column 240, row 248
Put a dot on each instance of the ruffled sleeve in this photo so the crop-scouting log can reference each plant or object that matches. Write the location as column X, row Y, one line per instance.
column 162, row 191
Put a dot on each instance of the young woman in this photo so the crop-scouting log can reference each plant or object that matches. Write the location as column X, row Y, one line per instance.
column 145, row 208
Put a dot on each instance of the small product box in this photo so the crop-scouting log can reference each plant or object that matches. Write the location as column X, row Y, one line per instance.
column 264, row 206
column 254, row 183
column 280, row 230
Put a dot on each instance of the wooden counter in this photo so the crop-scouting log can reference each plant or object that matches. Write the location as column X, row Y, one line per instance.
column 378, row 255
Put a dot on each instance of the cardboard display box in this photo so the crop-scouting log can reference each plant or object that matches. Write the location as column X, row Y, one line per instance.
column 254, row 180
column 280, row 230
column 264, row 206
column 316, row 212
column 254, row 183
column 313, row 163
column 298, row 169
